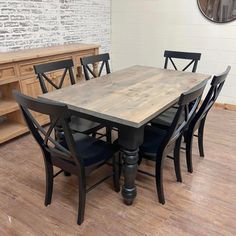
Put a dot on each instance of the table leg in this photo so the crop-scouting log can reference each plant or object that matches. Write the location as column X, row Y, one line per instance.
column 130, row 159
column 130, row 140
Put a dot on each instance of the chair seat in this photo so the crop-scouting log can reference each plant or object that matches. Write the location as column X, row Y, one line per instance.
column 153, row 138
column 165, row 119
column 92, row 150
column 84, row 126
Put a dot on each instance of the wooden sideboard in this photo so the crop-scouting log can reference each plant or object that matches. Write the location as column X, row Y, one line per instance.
column 17, row 72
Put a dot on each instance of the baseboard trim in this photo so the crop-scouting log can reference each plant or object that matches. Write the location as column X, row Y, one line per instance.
column 225, row 106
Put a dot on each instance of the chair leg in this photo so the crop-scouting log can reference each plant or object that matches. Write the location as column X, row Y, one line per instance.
column 49, row 183
column 120, row 164
column 108, row 134
column 177, row 159
column 189, row 144
column 159, row 179
column 200, row 137
column 82, row 199
column 116, row 175
column 185, row 136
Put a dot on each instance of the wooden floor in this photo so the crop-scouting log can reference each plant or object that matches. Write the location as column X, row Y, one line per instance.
column 204, row 204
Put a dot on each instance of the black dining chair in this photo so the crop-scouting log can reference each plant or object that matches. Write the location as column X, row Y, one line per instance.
column 198, row 121
column 87, row 62
column 193, row 57
column 65, row 68
column 159, row 143
column 77, row 153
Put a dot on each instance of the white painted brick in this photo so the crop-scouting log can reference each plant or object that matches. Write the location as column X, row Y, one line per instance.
column 39, row 23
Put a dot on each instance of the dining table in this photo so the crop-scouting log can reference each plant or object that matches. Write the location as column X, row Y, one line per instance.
column 128, row 100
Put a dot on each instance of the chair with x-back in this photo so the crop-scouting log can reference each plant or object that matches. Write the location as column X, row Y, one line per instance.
column 87, row 62
column 158, row 143
column 78, row 154
column 198, row 122
column 193, row 57
column 169, row 55
column 91, row 61
column 64, row 68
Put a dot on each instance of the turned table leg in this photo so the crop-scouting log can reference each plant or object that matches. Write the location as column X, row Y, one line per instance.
column 130, row 160
column 130, row 139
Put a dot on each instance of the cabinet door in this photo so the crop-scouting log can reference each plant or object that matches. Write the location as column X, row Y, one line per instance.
column 31, row 87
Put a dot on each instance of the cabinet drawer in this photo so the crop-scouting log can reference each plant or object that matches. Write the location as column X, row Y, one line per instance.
column 7, row 72
column 28, row 68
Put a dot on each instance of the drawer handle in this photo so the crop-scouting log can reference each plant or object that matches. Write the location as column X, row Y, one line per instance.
column 29, row 69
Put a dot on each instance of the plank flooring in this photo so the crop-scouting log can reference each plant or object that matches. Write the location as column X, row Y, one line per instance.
column 204, row 204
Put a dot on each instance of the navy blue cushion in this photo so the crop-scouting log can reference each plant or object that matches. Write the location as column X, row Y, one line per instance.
column 153, row 138
column 84, row 126
column 166, row 118
column 91, row 149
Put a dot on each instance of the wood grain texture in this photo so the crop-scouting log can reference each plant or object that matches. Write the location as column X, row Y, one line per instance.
column 20, row 55
column 17, row 72
column 204, row 204
column 132, row 96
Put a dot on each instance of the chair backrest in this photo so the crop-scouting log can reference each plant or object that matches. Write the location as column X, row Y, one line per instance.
column 42, row 69
column 86, row 62
column 59, row 114
column 185, row 112
column 194, row 57
column 213, row 93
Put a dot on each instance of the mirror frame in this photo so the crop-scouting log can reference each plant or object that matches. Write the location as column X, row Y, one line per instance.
column 208, row 18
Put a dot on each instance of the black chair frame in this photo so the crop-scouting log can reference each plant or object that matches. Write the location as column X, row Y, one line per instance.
column 86, row 61
column 172, row 141
column 92, row 60
column 42, row 69
column 54, row 153
column 198, row 122
column 194, row 57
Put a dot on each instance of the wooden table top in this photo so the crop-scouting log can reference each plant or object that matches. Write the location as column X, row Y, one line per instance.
column 131, row 97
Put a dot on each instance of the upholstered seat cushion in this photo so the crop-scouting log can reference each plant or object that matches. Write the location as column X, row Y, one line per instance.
column 91, row 149
column 84, row 126
column 165, row 119
column 153, row 138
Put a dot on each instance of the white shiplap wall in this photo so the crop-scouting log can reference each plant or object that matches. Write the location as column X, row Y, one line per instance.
column 143, row 29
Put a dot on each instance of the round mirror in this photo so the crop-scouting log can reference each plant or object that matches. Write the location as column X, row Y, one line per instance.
column 220, row 11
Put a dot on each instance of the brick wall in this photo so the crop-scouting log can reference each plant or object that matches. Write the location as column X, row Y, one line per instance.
column 36, row 23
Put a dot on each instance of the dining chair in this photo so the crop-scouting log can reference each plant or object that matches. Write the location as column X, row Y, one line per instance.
column 86, row 62
column 198, row 121
column 77, row 153
column 193, row 57
column 64, row 67
column 158, row 143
